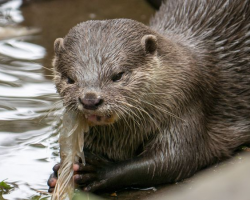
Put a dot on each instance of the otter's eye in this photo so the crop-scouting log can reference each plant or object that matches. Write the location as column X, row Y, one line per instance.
column 70, row 81
column 117, row 77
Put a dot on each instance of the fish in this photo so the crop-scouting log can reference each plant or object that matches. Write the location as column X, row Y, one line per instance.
column 71, row 141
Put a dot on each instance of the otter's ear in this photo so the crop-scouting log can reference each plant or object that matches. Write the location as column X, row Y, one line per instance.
column 149, row 43
column 58, row 45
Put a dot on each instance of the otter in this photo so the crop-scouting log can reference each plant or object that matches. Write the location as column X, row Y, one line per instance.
column 165, row 100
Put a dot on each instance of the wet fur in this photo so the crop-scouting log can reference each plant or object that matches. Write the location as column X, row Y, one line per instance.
column 184, row 106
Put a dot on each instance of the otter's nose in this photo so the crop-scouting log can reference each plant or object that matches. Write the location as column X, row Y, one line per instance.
column 90, row 101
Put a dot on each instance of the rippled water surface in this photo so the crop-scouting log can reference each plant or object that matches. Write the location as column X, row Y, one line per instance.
column 29, row 106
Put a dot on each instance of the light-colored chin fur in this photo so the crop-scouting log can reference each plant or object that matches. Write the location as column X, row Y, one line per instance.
column 104, row 120
column 94, row 119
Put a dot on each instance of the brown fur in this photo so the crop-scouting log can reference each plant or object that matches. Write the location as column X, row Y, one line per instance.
column 184, row 99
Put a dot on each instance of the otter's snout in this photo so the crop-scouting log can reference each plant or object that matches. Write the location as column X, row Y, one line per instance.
column 91, row 101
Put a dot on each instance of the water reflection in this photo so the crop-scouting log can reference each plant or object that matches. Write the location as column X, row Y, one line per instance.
column 28, row 123
column 11, row 8
column 28, row 134
column 21, row 50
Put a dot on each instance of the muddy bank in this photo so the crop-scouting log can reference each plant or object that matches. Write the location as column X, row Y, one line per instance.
column 228, row 180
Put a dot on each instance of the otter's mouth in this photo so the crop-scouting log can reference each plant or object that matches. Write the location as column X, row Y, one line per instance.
column 93, row 119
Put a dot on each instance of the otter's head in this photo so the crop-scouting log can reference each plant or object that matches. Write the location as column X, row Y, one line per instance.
column 103, row 69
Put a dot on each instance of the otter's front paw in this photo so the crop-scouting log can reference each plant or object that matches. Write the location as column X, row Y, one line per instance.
column 93, row 175
column 53, row 178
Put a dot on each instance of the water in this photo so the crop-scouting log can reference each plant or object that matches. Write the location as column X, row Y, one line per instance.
column 29, row 106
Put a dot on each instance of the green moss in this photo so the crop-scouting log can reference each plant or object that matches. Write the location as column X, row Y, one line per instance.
column 40, row 197
column 5, row 188
column 85, row 196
